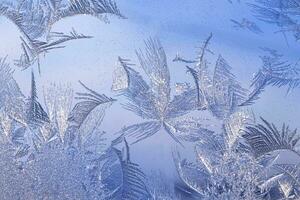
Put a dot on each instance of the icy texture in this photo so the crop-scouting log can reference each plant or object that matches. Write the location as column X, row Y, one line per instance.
column 35, row 18
column 55, row 147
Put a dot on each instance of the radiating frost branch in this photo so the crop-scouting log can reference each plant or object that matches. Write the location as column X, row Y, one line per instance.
column 133, row 185
column 202, row 53
column 274, row 72
column 88, row 7
column 35, row 112
column 58, row 101
column 34, row 49
column 138, row 93
column 266, row 138
column 205, row 48
column 30, row 17
column 88, row 102
column 35, row 18
column 152, row 101
column 228, row 93
column 222, row 94
column 154, row 63
column 86, row 117
column 219, row 92
column 82, row 109
column 183, row 103
column 282, row 13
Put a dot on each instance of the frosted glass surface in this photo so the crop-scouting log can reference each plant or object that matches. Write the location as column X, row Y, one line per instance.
column 149, row 100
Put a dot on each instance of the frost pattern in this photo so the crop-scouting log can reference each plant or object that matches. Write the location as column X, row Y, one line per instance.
column 35, row 19
column 57, row 149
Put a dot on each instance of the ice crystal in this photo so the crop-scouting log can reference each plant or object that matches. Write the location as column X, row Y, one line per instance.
column 35, row 19
column 225, row 172
column 283, row 14
column 56, row 148
column 120, row 81
column 58, row 101
column 152, row 100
